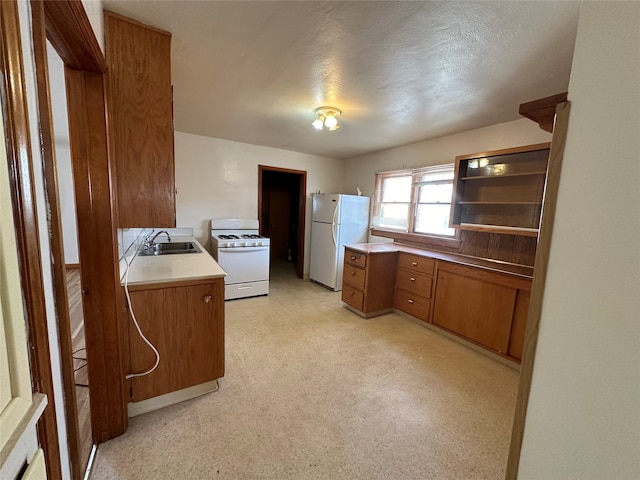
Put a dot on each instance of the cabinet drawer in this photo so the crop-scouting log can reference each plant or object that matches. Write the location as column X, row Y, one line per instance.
column 354, row 276
column 355, row 258
column 414, row 282
column 416, row 263
column 411, row 304
column 353, row 297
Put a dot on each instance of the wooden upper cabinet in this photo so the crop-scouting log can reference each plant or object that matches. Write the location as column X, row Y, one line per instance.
column 500, row 191
column 141, row 122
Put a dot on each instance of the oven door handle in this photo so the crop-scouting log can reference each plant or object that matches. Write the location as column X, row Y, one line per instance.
column 242, row 249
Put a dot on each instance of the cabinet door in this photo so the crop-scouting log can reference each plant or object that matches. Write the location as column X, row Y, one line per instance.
column 155, row 313
column 521, row 311
column 474, row 308
column 200, row 317
column 186, row 325
column 141, row 122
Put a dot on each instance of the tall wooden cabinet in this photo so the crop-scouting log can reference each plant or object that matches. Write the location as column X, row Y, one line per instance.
column 186, row 325
column 141, row 121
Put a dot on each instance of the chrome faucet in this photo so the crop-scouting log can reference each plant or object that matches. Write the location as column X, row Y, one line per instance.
column 150, row 241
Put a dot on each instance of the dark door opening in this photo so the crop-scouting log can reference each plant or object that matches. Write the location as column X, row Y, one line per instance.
column 281, row 210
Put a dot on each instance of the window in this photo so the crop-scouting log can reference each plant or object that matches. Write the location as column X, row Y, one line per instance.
column 415, row 201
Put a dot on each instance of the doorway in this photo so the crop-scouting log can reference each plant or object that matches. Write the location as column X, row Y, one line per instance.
column 67, row 204
column 281, row 210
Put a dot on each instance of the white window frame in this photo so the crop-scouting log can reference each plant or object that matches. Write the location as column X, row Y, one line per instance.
column 409, row 233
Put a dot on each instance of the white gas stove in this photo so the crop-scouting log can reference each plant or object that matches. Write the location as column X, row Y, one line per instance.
column 243, row 253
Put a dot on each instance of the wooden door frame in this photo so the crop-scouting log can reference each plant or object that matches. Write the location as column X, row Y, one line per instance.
column 302, row 208
column 71, row 35
column 25, row 217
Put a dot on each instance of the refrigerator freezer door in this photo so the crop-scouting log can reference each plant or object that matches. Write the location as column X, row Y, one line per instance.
column 324, row 254
column 326, row 208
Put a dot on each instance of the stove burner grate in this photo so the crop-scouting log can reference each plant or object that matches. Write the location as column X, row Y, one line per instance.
column 229, row 237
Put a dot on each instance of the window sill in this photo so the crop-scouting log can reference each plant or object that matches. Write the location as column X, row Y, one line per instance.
column 426, row 240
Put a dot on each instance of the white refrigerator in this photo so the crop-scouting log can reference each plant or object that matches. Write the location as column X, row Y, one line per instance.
column 337, row 220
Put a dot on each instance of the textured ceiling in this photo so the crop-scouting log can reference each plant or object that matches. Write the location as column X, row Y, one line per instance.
column 401, row 71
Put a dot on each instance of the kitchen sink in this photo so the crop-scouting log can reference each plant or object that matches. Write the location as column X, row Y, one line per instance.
column 169, row 248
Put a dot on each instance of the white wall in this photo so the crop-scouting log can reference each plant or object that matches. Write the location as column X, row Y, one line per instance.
column 96, row 18
column 219, row 179
column 583, row 419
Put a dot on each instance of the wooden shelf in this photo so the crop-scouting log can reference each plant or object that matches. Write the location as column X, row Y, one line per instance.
column 506, row 194
column 527, row 232
column 501, row 203
column 507, row 175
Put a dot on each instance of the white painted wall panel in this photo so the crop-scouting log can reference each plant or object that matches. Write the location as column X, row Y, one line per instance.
column 583, row 420
column 219, row 179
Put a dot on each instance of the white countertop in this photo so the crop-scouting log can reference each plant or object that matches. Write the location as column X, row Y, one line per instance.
column 173, row 267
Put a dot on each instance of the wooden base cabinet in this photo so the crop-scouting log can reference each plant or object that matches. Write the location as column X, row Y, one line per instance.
column 368, row 281
column 186, row 325
column 414, row 281
column 485, row 307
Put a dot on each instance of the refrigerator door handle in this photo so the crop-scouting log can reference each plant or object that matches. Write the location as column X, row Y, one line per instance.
column 333, row 234
column 333, row 226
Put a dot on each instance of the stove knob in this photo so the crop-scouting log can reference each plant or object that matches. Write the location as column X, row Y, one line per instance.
column 257, row 244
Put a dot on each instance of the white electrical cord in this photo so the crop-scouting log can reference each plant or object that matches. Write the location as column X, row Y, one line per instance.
column 135, row 322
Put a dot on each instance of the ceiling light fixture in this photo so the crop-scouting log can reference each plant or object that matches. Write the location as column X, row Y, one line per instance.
column 327, row 118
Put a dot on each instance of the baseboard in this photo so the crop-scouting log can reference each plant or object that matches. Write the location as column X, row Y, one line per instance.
column 72, row 266
column 161, row 401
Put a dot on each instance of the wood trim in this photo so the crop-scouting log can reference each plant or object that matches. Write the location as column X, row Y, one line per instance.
column 71, row 34
column 418, row 239
column 19, row 156
column 504, row 151
column 75, row 42
column 176, row 283
column 543, row 110
column 57, row 247
column 72, row 266
column 108, row 13
column 537, row 290
column 98, row 251
column 302, row 210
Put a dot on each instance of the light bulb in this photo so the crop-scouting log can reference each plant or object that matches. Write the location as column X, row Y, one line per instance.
column 331, row 121
column 318, row 123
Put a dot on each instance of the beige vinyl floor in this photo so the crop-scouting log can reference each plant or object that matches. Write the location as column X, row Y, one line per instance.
column 312, row 391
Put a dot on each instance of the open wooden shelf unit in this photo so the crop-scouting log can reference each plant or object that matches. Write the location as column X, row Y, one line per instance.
column 500, row 191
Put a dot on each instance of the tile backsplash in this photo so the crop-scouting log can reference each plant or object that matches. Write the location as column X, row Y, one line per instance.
column 130, row 240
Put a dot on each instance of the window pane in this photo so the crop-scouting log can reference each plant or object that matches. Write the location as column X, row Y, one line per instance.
column 393, row 215
column 396, row 189
column 436, row 193
column 433, row 219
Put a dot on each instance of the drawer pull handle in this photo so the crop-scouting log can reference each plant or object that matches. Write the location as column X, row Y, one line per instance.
column 206, row 298
column 353, row 272
column 353, row 258
column 415, row 264
column 410, row 301
column 412, row 279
